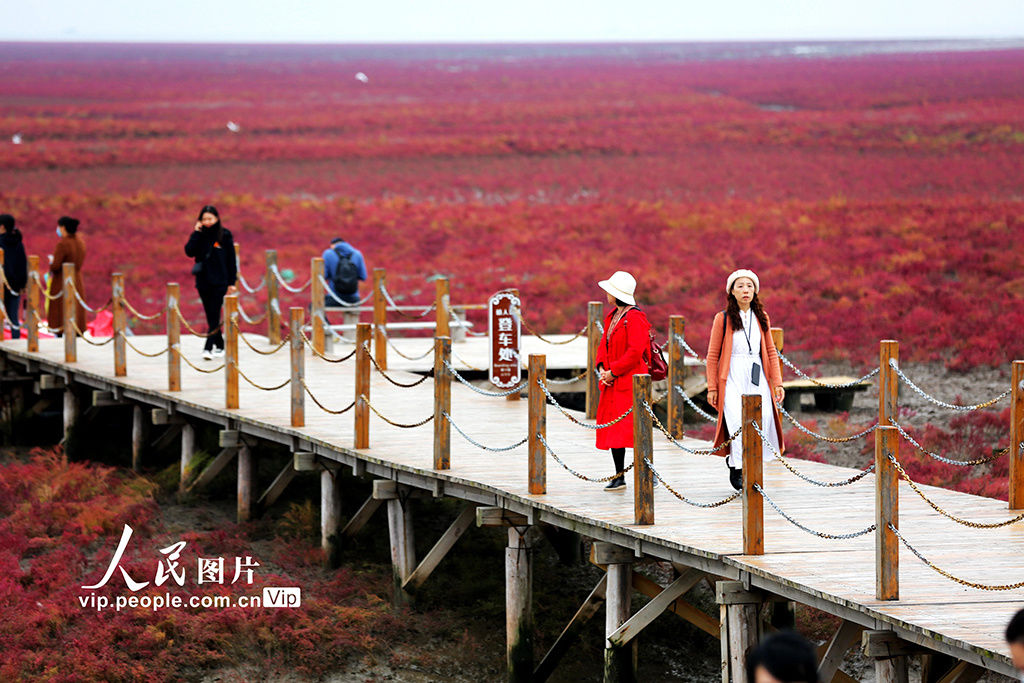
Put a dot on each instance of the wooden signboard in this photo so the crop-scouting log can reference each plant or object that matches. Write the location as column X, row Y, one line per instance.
column 503, row 325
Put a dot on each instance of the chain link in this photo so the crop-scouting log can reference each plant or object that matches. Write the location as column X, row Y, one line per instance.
column 670, row 489
column 845, row 385
column 390, row 343
column 454, row 319
column 785, row 462
column 830, row 439
column 577, row 378
column 469, row 365
column 140, row 351
column 245, row 316
column 518, row 313
column 392, row 422
column 320, row 405
column 479, row 445
column 940, row 458
column 78, row 297
column 248, row 288
column 949, row 406
column 580, row 475
column 386, row 376
column 693, row 354
column 578, row 421
column 330, row 292
column 677, row 444
column 482, row 392
column 693, row 405
column 962, row 582
column 819, row 534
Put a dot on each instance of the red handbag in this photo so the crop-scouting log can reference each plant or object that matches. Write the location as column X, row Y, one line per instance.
column 656, row 363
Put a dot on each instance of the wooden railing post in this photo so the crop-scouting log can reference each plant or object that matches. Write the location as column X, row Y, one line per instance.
column 32, row 304
column 117, row 306
column 173, row 338
column 887, row 511
column 676, row 375
column 779, row 338
column 442, row 402
column 594, row 309
column 316, row 304
column 442, row 304
column 1017, row 436
column 298, row 367
column 537, row 424
column 68, row 301
column 643, row 452
column 362, row 409
column 380, row 319
column 888, row 383
column 230, row 326
column 273, row 302
column 753, row 502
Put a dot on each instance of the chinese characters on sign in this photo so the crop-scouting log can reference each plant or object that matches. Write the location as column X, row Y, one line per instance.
column 503, row 324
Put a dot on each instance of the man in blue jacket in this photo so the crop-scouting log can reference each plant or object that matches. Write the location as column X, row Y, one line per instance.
column 344, row 268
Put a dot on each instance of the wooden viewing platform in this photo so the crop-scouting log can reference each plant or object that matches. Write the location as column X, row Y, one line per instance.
column 836, row 576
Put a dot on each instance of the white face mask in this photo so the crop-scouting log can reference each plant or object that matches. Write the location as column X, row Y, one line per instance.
column 58, row 231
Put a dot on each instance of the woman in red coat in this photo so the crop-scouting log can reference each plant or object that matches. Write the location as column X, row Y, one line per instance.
column 620, row 355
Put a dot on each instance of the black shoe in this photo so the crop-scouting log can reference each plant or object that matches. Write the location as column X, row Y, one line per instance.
column 616, row 484
column 736, row 477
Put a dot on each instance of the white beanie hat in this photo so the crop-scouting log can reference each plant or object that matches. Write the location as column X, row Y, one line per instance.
column 742, row 272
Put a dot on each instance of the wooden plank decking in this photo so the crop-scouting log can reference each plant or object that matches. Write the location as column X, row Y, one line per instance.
column 837, row 575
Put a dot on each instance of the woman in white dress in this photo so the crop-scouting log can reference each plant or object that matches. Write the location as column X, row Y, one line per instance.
column 742, row 359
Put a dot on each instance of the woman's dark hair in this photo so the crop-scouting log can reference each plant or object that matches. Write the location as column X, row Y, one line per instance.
column 620, row 303
column 69, row 224
column 733, row 311
column 6, row 221
column 217, row 227
column 787, row 656
column 1015, row 629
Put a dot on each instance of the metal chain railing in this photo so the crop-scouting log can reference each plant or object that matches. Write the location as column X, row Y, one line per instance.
column 696, row 408
column 482, row 392
column 320, row 405
column 139, row 351
column 689, row 349
column 670, row 489
column 398, row 309
column 397, row 350
column 281, row 281
column 479, row 445
column 825, row 484
column 518, row 313
column 828, row 385
column 942, row 404
column 819, row 534
column 580, row 475
column 661, row 427
column 388, row 377
column 392, row 422
column 822, row 437
column 576, row 420
column 282, row 385
column 571, row 380
column 962, row 582
column 465, row 362
column 455, row 320
column 941, row 458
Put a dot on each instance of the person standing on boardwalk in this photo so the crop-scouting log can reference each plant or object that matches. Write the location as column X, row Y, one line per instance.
column 742, row 359
column 1015, row 639
column 620, row 355
column 213, row 248
column 70, row 249
column 344, row 268
column 15, row 271
column 783, row 657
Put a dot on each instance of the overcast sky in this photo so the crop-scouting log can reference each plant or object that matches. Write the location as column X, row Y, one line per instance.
column 344, row 21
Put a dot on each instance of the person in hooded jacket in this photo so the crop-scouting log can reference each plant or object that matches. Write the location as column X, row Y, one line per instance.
column 15, row 271
column 70, row 249
column 213, row 249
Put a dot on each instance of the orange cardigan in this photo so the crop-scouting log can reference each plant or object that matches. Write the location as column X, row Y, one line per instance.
column 719, row 353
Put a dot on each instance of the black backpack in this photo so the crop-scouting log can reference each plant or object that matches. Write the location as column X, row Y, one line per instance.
column 346, row 275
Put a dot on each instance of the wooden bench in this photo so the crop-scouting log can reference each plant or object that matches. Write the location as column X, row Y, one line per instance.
column 826, row 399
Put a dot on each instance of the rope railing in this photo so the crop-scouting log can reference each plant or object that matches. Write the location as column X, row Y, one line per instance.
column 943, row 572
column 576, row 420
column 577, row 474
column 320, row 405
column 245, row 316
column 681, row 497
column 205, row 371
column 824, row 484
column 80, row 300
column 268, row 352
column 819, row 534
column 949, row 461
column 675, row 442
column 571, row 380
column 284, row 283
column 391, row 422
column 390, row 343
column 245, row 285
column 492, row 449
column 482, row 392
column 329, row 292
column 827, row 385
column 388, row 377
column 942, row 404
column 822, row 437
column 188, row 327
column 139, row 351
column 456, row 321
column 138, row 314
column 42, row 287
column 398, row 309
column 308, row 342
column 261, row 387
column 87, row 340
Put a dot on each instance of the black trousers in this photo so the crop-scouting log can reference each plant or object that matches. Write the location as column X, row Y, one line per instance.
column 213, row 301
column 12, row 303
column 619, row 458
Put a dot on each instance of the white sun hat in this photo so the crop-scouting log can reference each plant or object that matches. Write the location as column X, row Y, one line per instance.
column 737, row 274
column 621, row 285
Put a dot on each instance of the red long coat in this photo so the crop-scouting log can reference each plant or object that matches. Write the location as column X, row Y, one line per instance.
column 70, row 249
column 624, row 353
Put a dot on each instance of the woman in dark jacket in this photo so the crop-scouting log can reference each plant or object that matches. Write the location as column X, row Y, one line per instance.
column 213, row 249
column 70, row 249
column 15, row 271
column 621, row 354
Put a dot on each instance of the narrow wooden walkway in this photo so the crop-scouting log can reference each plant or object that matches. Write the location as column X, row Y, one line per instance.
column 835, row 575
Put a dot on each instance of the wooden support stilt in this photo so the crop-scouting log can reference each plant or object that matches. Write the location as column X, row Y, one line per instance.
column 442, row 306
column 138, row 437
column 643, row 452
column 442, row 402
column 619, row 662
column 245, row 483
column 1017, row 435
column 277, row 487
column 70, row 414
column 740, row 627
column 188, row 451
column 632, row 627
column 753, row 502
column 273, row 300
column 173, row 338
column 362, row 516
column 32, row 304
column 680, row 607
column 316, row 307
column 330, row 518
column 888, row 382
column 676, row 375
column 571, row 632
column 298, row 365
column 380, row 319
column 537, row 425
column 842, row 640
column 465, row 520
column 70, row 309
column 215, row 467
column 362, row 407
column 594, row 310
column 519, row 605
column 403, row 549
column 120, row 324
column 963, row 672
column 231, row 350
column 887, row 511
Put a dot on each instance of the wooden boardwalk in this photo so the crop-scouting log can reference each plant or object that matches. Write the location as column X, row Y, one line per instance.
column 837, row 576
